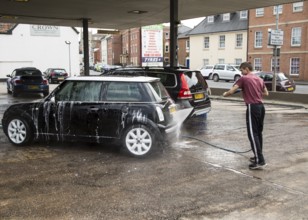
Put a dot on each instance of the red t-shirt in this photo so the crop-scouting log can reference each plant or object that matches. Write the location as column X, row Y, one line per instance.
column 252, row 88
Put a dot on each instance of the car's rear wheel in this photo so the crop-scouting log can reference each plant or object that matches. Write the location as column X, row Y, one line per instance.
column 138, row 140
column 215, row 78
column 19, row 131
column 15, row 94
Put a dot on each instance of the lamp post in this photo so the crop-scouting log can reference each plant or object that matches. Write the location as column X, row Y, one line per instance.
column 69, row 55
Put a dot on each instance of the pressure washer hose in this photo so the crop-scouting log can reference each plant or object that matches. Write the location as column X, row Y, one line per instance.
column 215, row 146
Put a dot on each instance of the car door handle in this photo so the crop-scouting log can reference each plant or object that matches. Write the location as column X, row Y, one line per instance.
column 93, row 109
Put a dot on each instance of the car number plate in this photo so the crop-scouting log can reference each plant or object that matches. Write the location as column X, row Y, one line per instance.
column 33, row 87
column 199, row 96
column 172, row 109
column 290, row 89
column 60, row 78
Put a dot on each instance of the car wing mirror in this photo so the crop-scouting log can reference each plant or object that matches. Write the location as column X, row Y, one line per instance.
column 9, row 76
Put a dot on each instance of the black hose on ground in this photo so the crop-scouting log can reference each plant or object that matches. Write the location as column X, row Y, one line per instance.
column 212, row 145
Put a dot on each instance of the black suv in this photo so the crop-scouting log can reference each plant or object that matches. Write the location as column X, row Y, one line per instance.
column 186, row 87
column 137, row 111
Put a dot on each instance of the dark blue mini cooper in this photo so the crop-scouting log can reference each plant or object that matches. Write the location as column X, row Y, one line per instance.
column 138, row 111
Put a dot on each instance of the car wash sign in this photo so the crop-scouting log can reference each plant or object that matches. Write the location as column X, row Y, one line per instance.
column 45, row 30
column 152, row 45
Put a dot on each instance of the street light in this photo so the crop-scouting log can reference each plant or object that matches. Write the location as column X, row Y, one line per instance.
column 69, row 55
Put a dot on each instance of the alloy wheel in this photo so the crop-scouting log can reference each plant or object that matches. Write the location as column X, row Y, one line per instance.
column 17, row 131
column 138, row 141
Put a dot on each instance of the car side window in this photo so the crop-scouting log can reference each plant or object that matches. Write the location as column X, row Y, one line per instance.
column 122, row 91
column 81, row 91
column 268, row 78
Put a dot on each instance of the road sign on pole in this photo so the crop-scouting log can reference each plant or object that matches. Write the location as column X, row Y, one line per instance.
column 276, row 38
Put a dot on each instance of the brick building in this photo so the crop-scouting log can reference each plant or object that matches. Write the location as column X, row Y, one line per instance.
column 131, row 47
column 114, row 46
column 293, row 21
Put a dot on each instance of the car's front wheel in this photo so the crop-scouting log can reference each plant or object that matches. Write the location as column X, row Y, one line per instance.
column 138, row 140
column 19, row 131
column 215, row 78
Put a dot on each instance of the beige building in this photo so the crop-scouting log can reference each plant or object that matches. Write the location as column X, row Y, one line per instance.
column 219, row 39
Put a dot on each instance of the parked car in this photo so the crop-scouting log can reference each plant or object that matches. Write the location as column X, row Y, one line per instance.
column 282, row 82
column 55, row 75
column 225, row 72
column 137, row 111
column 186, row 87
column 105, row 68
column 27, row 80
column 206, row 71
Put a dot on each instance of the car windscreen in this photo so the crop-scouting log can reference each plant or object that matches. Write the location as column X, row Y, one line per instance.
column 195, row 81
column 167, row 79
column 281, row 77
column 29, row 73
column 59, row 71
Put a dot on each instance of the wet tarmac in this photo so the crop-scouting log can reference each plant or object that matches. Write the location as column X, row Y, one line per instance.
column 200, row 176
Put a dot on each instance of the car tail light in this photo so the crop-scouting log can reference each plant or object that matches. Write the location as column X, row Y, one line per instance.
column 65, row 74
column 45, row 82
column 184, row 91
column 17, row 81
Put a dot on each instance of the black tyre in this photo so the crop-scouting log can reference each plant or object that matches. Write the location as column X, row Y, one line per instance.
column 138, row 140
column 215, row 78
column 9, row 91
column 19, row 131
column 14, row 93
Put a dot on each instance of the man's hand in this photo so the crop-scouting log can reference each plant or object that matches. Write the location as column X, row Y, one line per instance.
column 224, row 94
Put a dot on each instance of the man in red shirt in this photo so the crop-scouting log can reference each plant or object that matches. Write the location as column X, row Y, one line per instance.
column 253, row 90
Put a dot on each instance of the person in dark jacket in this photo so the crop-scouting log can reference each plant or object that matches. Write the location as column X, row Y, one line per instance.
column 253, row 90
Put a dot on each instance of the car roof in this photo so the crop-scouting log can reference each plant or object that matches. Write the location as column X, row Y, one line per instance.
column 114, row 78
column 27, row 68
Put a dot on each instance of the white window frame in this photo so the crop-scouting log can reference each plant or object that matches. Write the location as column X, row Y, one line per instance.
column 257, row 63
column 222, row 41
column 210, row 19
column 167, row 48
column 280, row 8
column 244, row 14
column 298, row 6
column 221, row 60
column 258, row 42
column 259, row 12
column 239, row 41
column 296, row 37
column 292, row 66
column 206, row 45
column 226, row 17
column 166, row 35
column 238, row 61
column 187, row 44
column 205, row 62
